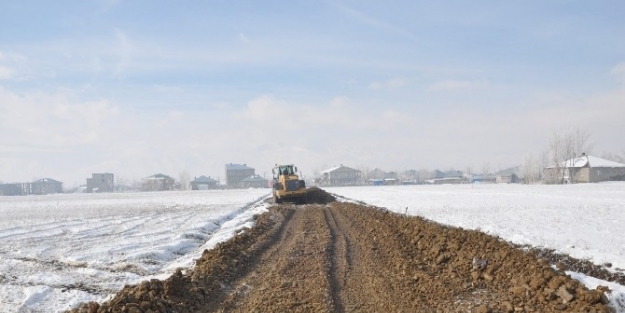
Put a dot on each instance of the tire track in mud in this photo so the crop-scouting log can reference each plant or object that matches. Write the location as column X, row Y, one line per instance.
column 272, row 263
column 346, row 257
column 376, row 265
column 339, row 259
column 281, row 281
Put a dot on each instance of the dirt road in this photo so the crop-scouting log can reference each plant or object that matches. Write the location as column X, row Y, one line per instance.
column 346, row 257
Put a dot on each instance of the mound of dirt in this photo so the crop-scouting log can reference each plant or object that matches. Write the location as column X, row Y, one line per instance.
column 315, row 195
column 346, row 257
column 567, row 263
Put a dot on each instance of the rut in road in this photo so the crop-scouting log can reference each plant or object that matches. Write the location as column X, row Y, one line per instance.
column 316, row 250
column 346, row 257
column 291, row 275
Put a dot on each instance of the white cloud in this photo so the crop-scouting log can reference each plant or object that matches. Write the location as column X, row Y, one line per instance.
column 51, row 120
column 458, row 85
column 374, row 22
column 340, row 101
column 6, row 73
column 124, row 51
column 167, row 88
column 394, row 118
column 107, row 5
column 268, row 109
column 389, row 84
column 10, row 65
column 12, row 57
column 619, row 71
column 91, row 111
column 68, row 137
column 176, row 114
column 243, row 38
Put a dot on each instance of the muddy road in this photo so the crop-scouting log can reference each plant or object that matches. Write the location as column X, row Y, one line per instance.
column 346, row 257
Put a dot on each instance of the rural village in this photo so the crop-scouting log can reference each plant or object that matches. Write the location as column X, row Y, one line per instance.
column 580, row 169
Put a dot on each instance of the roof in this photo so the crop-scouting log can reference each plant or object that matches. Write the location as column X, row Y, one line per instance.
column 253, row 179
column 48, row 180
column 332, row 169
column 203, row 179
column 233, row 166
column 509, row 171
column 453, row 174
column 588, row 160
column 438, row 174
column 158, row 176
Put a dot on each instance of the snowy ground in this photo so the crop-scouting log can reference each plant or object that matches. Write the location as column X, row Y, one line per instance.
column 59, row 250
column 585, row 221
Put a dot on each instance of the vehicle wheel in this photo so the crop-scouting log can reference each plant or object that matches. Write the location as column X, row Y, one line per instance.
column 302, row 200
column 275, row 198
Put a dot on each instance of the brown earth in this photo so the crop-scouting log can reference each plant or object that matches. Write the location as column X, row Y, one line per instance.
column 347, row 257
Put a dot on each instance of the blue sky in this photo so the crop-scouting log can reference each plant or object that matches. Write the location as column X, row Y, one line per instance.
column 141, row 87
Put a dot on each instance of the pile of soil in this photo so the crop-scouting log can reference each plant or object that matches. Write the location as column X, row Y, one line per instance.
column 346, row 257
column 315, row 195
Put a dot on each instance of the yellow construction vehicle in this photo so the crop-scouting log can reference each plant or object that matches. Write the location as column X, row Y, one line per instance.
column 287, row 187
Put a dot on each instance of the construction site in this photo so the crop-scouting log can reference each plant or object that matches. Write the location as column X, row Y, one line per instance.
column 342, row 256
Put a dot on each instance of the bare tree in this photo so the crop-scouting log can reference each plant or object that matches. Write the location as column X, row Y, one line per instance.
column 530, row 169
column 486, row 169
column 556, row 153
column 364, row 172
column 564, row 145
column 425, row 174
column 581, row 140
column 614, row 157
column 185, row 180
column 122, row 184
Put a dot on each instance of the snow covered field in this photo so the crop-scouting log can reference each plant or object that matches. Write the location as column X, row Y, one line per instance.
column 59, row 250
column 585, row 221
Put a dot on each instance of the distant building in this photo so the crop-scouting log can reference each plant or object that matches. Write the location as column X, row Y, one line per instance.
column 46, row 186
column 438, row 174
column 509, row 176
column 235, row 173
column 584, row 169
column 377, row 174
column 391, row 181
column 14, row 189
column 376, row 182
column 101, row 182
column 254, row 181
column 391, row 175
column 454, row 174
column 340, row 176
column 410, row 175
column 446, row 180
column 449, row 177
column 204, row 183
column 481, row 178
column 157, row 182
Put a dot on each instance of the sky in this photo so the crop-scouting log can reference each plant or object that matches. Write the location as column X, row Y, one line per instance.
column 142, row 87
